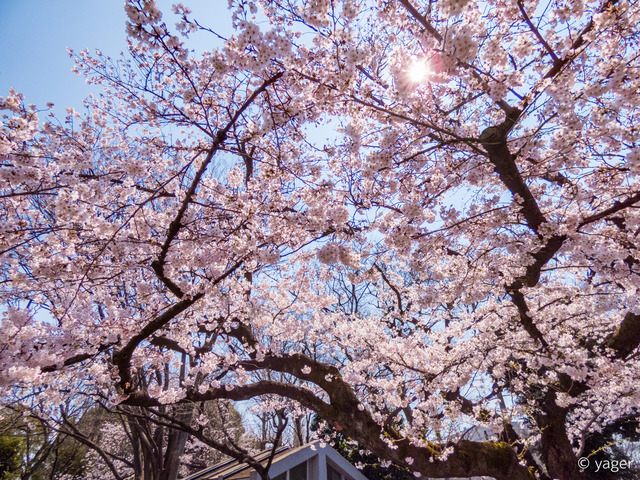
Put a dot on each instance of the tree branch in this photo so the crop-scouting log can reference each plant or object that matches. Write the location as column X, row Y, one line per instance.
column 422, row 19
column 176, row 225
column 627, row 337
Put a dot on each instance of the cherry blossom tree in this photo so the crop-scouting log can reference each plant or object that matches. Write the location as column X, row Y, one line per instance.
column 460, row 257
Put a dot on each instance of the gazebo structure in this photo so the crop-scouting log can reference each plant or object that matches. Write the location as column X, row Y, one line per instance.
column 314, row 461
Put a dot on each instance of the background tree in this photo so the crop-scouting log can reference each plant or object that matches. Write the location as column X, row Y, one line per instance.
column 10, row 456
column 462, row 257
column 224, row 423
column 32, row 449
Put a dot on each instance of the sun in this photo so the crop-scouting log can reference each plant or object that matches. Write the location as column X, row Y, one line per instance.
column 418, row 71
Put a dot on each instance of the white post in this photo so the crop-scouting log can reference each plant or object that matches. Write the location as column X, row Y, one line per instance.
column 322, row 464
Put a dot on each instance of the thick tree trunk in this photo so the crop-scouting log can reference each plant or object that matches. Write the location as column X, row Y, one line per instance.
column 557, row 452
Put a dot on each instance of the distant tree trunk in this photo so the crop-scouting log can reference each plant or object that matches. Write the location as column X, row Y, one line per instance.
column 297, row 428
column 175, row 445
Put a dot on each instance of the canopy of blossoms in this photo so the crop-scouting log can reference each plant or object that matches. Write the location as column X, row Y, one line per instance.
column 462, row 255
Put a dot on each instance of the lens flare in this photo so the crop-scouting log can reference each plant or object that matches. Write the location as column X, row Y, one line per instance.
column 418, row 71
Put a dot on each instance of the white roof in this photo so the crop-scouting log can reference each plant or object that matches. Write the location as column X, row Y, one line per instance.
column 284, row 459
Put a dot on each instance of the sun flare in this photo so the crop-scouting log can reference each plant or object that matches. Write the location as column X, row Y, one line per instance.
column 418, row 71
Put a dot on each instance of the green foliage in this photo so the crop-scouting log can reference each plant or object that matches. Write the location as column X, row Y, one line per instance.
column 10, row 457
column 32, row 448
column 70, row 458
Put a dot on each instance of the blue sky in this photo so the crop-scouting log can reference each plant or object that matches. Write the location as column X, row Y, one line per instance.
column 35, row 34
